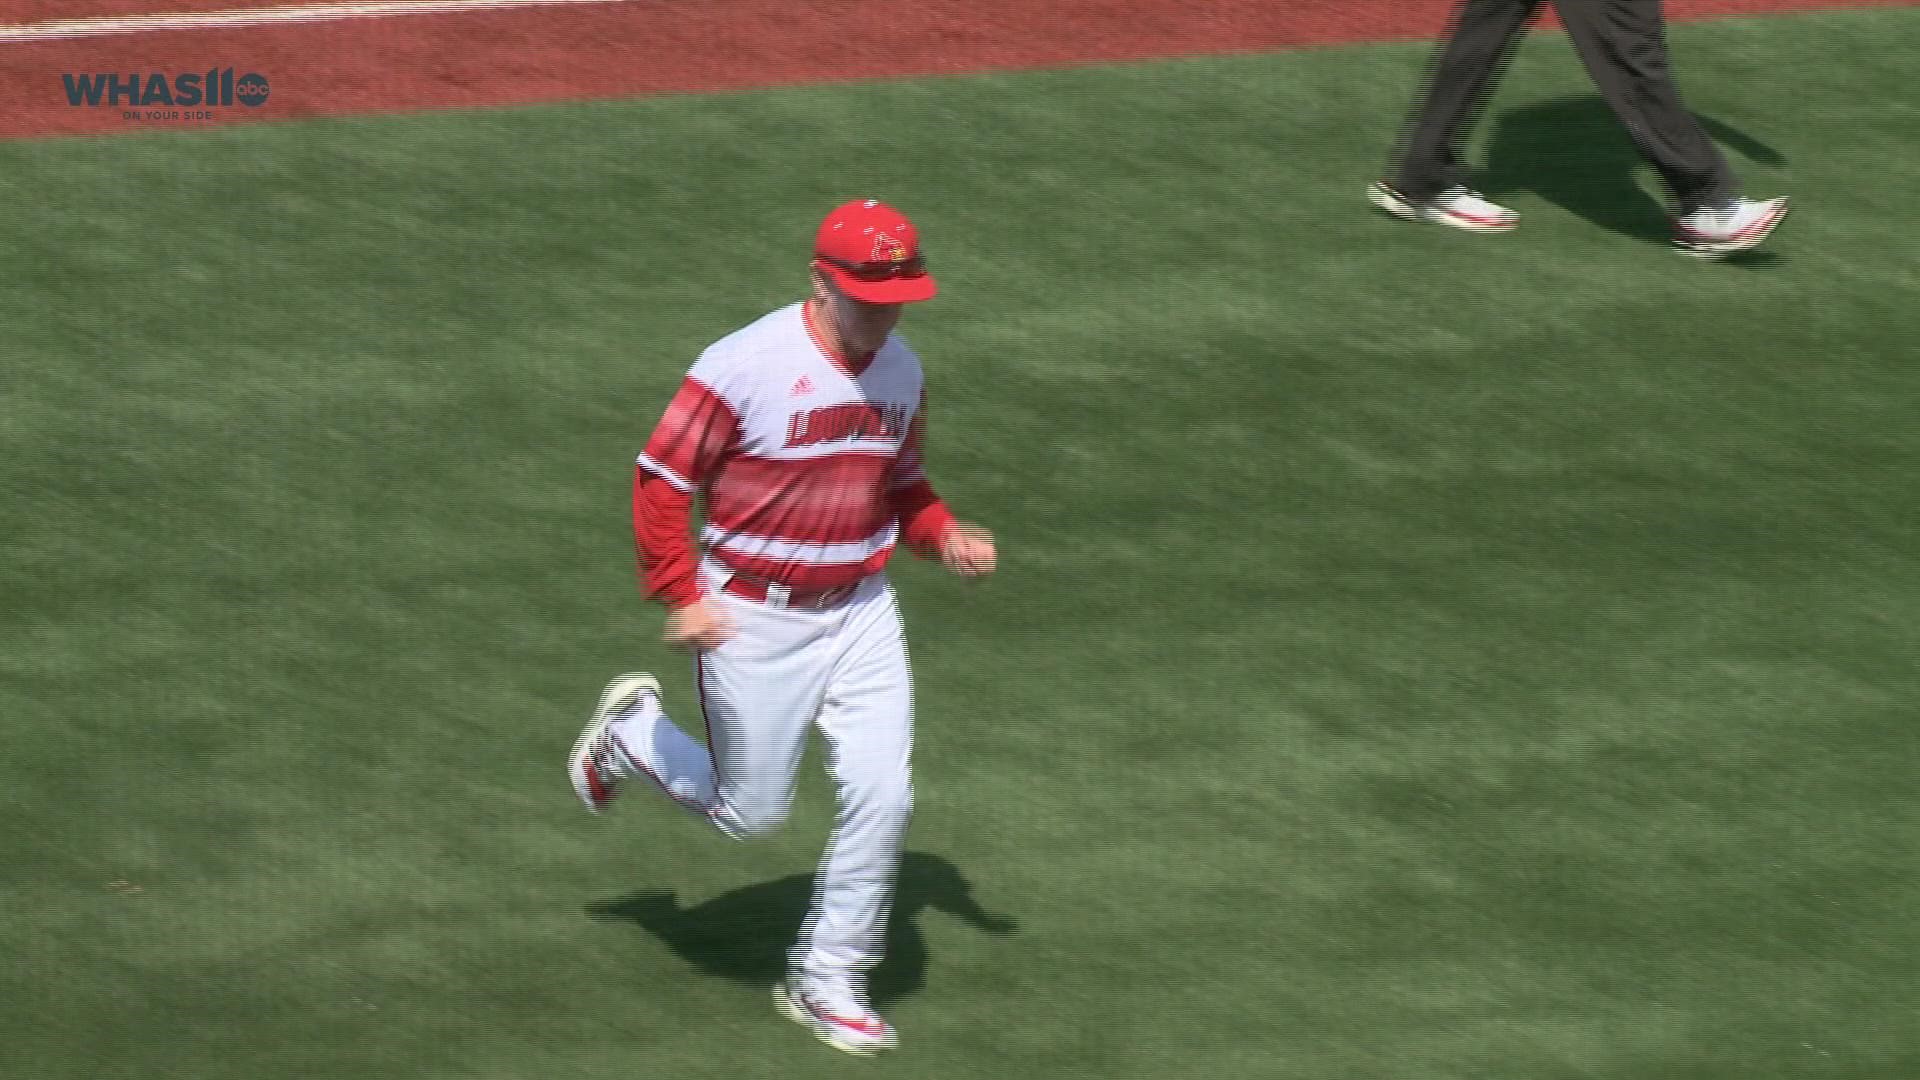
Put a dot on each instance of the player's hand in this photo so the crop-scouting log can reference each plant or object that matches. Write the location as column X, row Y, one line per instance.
column 967, row 550
column 701, row 625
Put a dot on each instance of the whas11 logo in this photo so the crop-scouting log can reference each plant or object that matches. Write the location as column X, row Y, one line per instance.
column 202, row 90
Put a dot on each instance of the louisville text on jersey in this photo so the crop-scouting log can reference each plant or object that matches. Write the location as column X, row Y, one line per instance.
column 838, row 423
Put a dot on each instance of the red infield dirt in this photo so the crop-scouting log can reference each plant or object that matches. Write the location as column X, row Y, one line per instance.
column 628, row 49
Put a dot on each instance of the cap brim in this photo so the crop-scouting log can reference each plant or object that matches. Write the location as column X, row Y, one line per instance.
column 900, row 290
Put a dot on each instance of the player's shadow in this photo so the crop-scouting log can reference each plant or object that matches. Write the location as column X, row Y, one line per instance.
column 1574, row 153
column 745, row 934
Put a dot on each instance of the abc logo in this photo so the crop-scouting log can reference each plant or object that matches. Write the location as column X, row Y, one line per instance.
column 252, row 90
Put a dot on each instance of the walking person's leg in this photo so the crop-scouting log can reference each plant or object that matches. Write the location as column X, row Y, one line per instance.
column 1623, row 44
column 1426, row 179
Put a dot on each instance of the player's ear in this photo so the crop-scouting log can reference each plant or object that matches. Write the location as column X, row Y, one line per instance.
column 821, row 290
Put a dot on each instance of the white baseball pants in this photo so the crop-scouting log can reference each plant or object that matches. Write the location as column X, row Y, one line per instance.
column 785, row 670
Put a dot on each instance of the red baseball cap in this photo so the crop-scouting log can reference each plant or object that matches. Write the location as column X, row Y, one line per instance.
column 872, row 252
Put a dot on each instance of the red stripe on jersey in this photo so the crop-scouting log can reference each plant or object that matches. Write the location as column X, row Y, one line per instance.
column 837, row 499
column 803, row 577
column 696, row 433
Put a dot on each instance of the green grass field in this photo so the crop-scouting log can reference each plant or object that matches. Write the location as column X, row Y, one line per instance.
column 1415, row 655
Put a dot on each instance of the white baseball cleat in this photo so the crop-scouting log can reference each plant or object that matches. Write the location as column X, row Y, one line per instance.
column 1456, row 206
column 840, row 1018
column 594, row 764
column 1714, row 232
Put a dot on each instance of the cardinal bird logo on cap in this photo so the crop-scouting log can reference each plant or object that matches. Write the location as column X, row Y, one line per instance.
column 886, row 248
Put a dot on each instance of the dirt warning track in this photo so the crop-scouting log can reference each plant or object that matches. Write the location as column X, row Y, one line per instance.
column 70, row 67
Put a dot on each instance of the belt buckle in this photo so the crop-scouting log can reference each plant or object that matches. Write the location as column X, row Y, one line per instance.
column 778, row 595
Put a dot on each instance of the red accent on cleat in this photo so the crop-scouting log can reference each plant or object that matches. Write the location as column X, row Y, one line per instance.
column 866, row 1025
column 597, row 787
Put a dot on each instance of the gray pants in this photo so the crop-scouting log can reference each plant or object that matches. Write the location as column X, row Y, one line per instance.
column 1623, row 45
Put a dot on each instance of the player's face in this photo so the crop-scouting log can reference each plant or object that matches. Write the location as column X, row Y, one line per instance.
column 862, row 327
column 865, row 326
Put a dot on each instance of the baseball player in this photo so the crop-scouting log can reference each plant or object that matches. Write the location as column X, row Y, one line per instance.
column 801, row 434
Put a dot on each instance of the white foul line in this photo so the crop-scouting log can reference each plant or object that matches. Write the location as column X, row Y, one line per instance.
column 226, row 20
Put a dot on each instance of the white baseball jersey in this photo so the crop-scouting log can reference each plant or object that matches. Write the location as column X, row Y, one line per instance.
column 799, row 457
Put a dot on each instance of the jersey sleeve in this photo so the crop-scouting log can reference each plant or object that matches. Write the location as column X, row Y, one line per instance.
column 697, row 431
column 695, row 434
column 922, row 515
column 662, row 533
column 909, row 468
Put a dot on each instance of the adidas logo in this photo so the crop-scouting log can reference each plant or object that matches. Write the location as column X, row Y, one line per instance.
column 801, row 387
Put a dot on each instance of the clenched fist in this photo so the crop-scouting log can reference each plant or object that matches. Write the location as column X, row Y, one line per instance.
column 967, row 550
column 700, row 625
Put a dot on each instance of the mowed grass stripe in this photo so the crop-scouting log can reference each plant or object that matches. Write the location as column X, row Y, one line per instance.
column 1415, row 653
